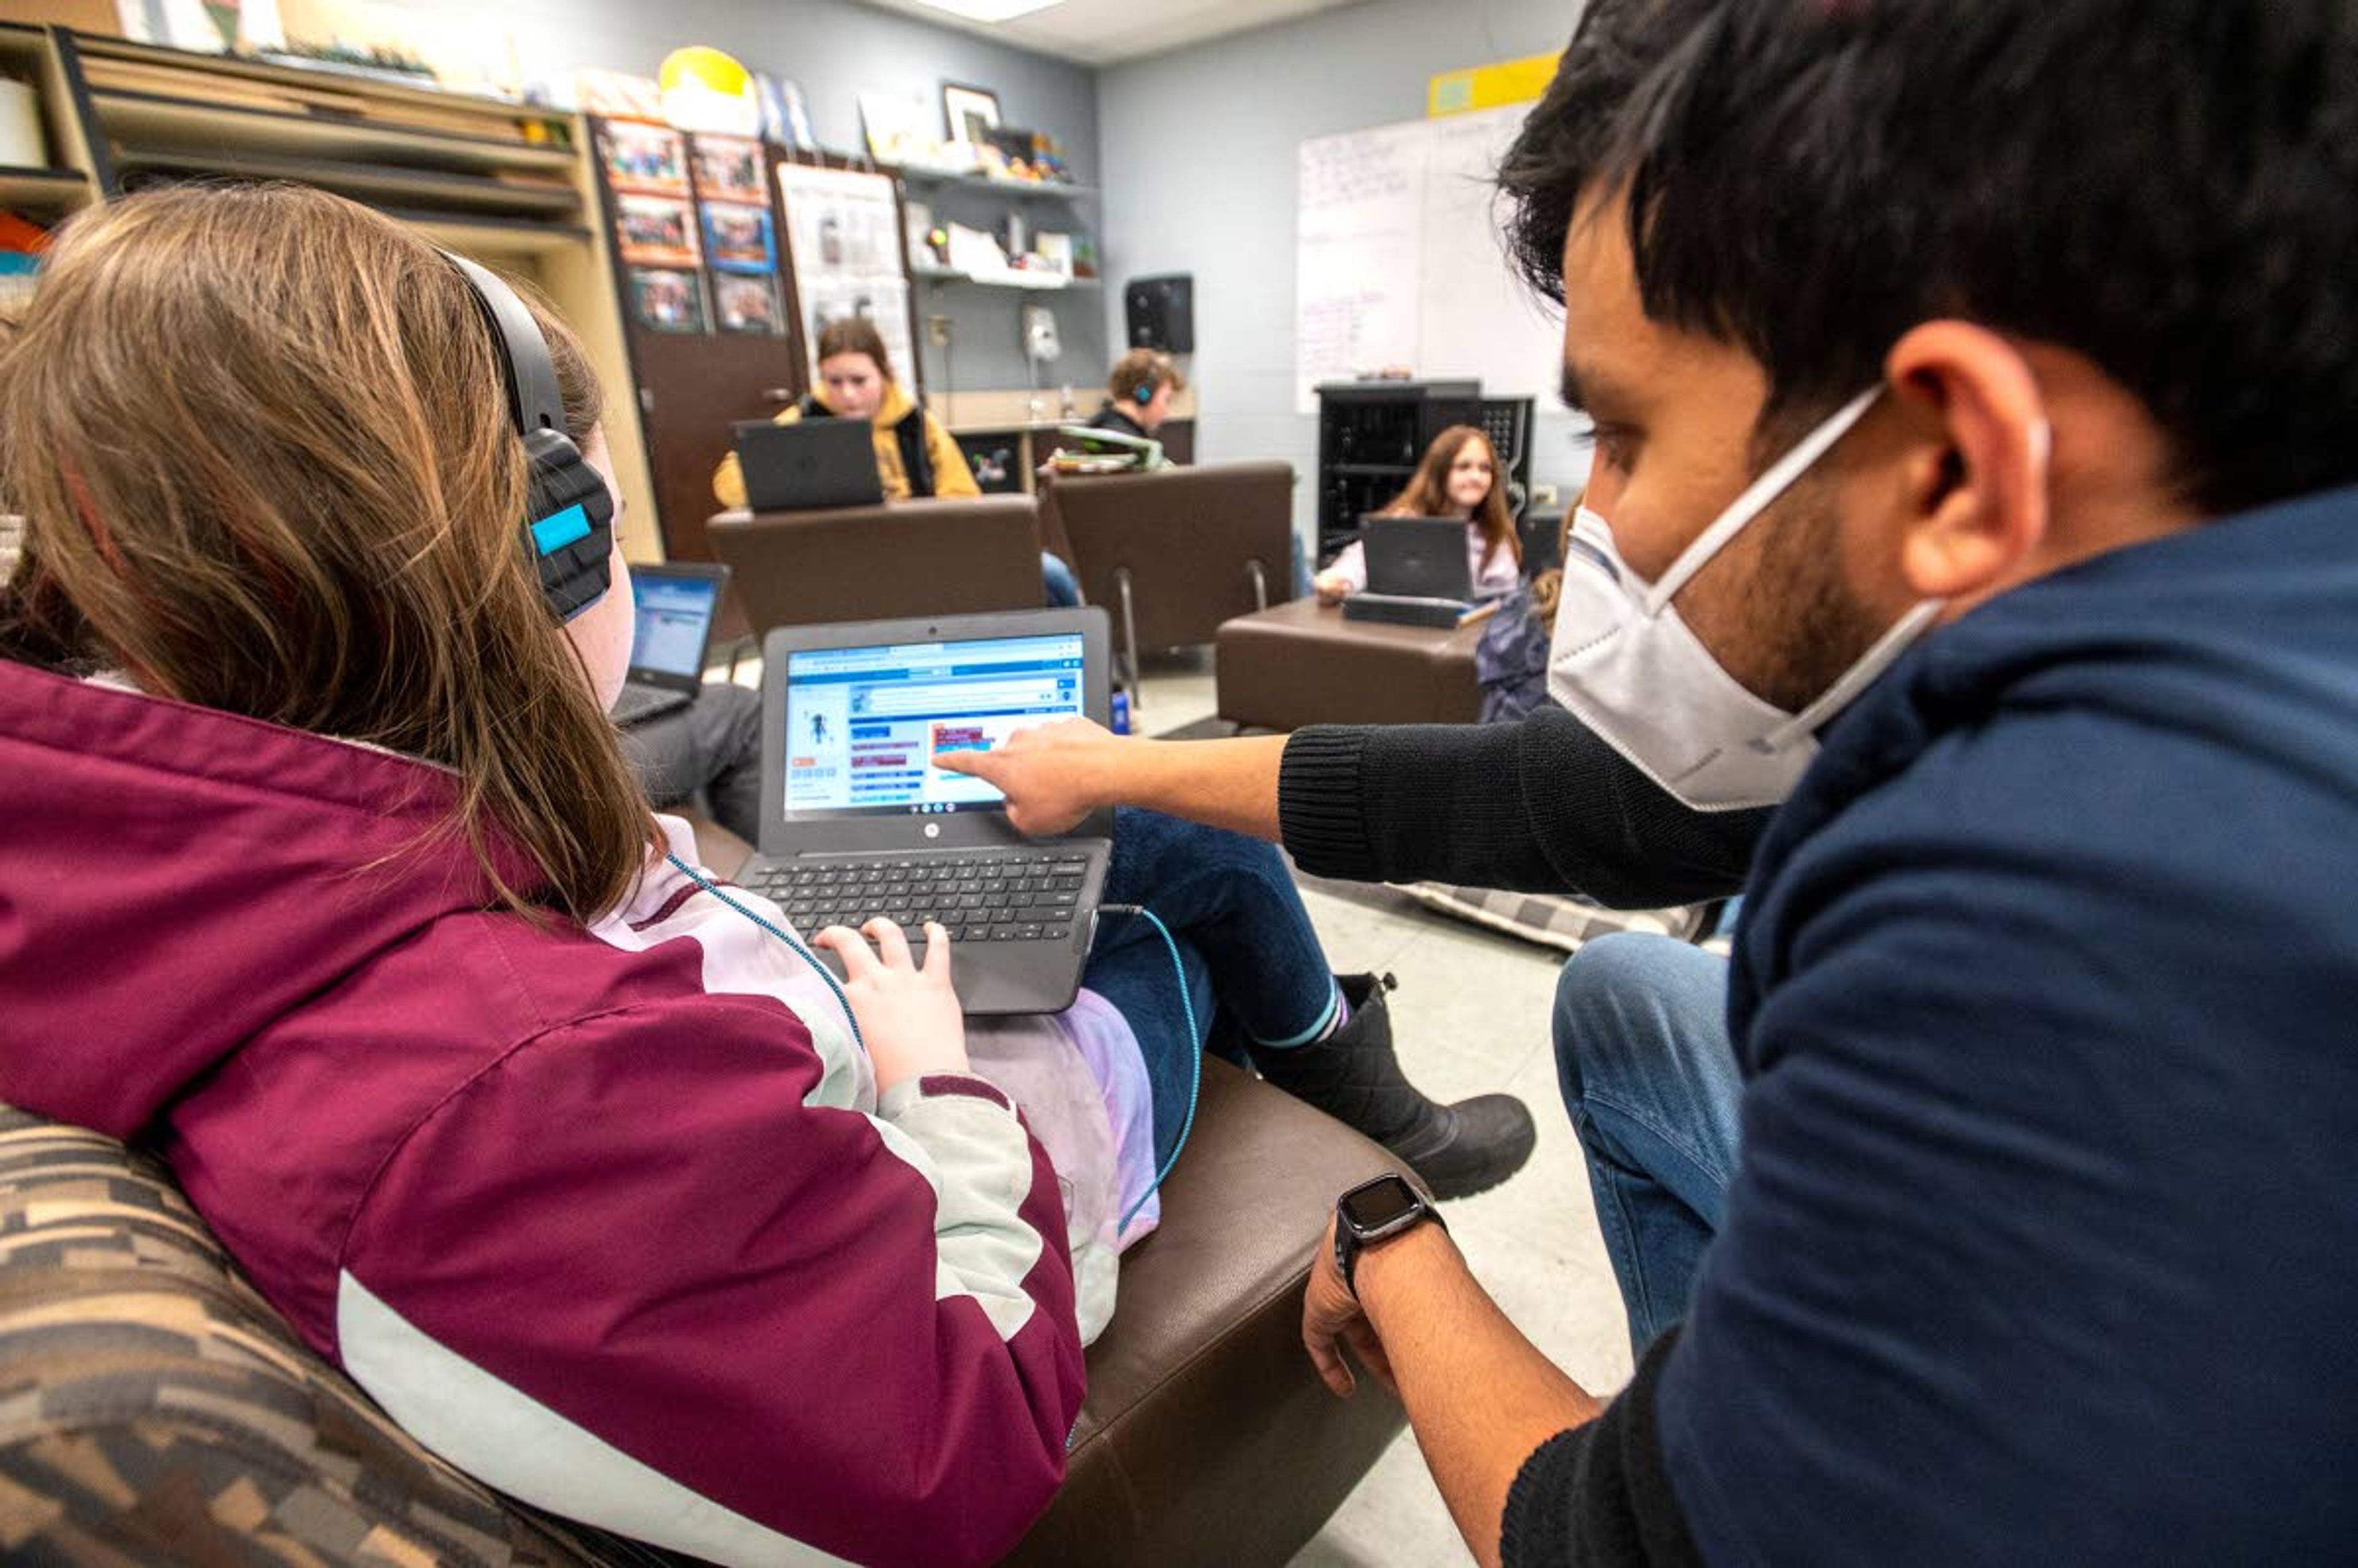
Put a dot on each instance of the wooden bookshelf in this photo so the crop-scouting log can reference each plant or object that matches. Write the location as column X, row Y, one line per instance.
column 64, row 185
column 44, row 192
column 505, row 184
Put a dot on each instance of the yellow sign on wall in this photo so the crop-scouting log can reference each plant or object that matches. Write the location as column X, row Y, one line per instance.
column 1488, row 86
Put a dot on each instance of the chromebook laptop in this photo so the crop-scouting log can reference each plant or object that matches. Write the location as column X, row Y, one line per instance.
column 1417, row 573
column 858, row 823
column 672, row 640
column 808, row 465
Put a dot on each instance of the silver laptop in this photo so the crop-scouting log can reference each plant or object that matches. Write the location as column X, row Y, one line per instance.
column 858, row 823
column 809, row 465
column 671, row 639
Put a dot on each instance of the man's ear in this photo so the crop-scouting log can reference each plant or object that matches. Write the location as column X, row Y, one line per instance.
column 1976, row 481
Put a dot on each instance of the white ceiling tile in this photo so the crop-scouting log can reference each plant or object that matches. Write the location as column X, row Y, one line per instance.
column 1107, row 32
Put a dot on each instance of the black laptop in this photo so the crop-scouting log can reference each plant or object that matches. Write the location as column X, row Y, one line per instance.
column 1417, row 572
column 857, row 823
column 808, row 465
column 672, row 642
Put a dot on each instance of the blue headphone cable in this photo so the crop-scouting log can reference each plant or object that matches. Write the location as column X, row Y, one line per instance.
column 708, row 885
column 1179, row 969
column 1194, row 1054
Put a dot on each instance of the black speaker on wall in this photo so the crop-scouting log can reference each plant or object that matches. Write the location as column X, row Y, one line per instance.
column 1162, row 312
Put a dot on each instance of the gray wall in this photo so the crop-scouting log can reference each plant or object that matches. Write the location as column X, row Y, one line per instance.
column 838, row 50
column 1200, row 155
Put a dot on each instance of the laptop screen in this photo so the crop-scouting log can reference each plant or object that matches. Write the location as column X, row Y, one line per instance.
column 862, row 723
column 674, row 615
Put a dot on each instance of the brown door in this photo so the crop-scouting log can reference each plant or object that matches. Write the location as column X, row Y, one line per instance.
column 692, row 389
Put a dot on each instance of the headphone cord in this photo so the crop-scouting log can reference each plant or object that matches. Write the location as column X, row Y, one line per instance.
column 1178, row 970
column 805, row 954
column 1194, row 1054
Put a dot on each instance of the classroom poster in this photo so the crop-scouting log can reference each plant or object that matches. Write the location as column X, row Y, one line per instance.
column 746, row 304
column 655, row 230
column 651, row 159
column 736, row 238
column 729, row 169
column 667, row 301
column 843, row 238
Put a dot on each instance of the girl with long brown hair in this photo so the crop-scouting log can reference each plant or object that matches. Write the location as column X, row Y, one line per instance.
column 323, row 877
column 1459, row 477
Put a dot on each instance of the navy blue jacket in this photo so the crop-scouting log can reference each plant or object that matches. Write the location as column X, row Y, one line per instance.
column 2043, row 1243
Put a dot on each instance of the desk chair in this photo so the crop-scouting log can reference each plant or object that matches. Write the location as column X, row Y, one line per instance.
column 1175, row 553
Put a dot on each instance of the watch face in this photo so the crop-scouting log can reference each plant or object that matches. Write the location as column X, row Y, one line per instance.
column 1370, row 1209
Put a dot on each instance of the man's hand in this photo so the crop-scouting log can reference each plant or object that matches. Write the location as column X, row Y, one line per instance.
column 1331, row 1318
column 1332, row 587
column 909, row 1017
column 1050, row 773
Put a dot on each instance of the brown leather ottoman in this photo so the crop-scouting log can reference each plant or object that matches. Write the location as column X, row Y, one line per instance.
column 1207, row 1439
column 1302, row 663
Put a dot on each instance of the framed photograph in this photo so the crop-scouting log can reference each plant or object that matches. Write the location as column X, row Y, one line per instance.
column 667, row 301
column 895, row 127
column 748, row 304
column 654, row 230
column 972, row 113
column 729, row 169
column 738, row 238
column 648, row 158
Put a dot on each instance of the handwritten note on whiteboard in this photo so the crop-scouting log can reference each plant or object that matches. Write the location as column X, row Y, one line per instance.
column 1400, row 262
column 1362, row 221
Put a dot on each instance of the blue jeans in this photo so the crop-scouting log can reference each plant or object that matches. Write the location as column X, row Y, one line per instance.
column 1255, row 970
column 1057, row 583
column 1649, row 1074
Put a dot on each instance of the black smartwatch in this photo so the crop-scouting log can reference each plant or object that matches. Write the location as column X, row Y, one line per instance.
column 1372, row 1211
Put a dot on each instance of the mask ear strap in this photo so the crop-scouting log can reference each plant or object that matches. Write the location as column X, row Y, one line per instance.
column 1756, row 496
column 1857, row 678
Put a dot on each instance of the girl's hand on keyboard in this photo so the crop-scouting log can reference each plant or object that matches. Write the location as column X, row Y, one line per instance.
column 909, row 1016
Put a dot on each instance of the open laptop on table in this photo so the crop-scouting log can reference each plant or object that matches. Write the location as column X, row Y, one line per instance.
column 809, row 465
column 1417, row 572
column 858, row 823
column 672, row 642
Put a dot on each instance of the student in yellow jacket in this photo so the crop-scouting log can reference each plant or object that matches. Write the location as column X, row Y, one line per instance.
column 914, row 456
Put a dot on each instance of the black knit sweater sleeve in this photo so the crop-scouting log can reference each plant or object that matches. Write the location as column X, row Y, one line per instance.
column 1598, row 1495
column 1541, row 805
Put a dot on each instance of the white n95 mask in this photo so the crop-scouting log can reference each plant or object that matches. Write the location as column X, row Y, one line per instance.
column 1632, row 670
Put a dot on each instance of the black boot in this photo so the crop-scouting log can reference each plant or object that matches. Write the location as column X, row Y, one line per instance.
column 1352, row 1075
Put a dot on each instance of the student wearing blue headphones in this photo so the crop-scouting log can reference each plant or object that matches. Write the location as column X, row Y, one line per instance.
column 344, row 900
column 1139, row 393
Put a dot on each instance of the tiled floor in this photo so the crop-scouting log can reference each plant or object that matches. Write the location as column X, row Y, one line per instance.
column 1471, row 1015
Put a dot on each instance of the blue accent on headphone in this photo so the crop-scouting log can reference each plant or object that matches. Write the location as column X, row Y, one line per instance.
column 552, row 534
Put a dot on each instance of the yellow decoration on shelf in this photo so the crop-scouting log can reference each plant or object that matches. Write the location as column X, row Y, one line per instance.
column 705, row 89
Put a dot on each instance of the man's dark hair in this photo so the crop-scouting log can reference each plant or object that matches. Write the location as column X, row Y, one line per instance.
column 2168, row 187
column 1567, row 138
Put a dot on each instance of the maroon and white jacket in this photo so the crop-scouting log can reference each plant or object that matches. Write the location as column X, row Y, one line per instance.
column 611, row 1218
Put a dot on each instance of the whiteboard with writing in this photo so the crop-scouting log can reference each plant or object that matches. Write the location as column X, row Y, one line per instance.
column 1399, row 264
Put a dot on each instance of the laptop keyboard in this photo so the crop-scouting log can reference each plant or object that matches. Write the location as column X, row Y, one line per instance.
column 1001, row 897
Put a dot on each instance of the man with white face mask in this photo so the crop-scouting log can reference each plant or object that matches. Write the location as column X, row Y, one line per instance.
column 2041, row 1240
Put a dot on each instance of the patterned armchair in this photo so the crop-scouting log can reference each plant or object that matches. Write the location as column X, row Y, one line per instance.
column 155, row 1408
